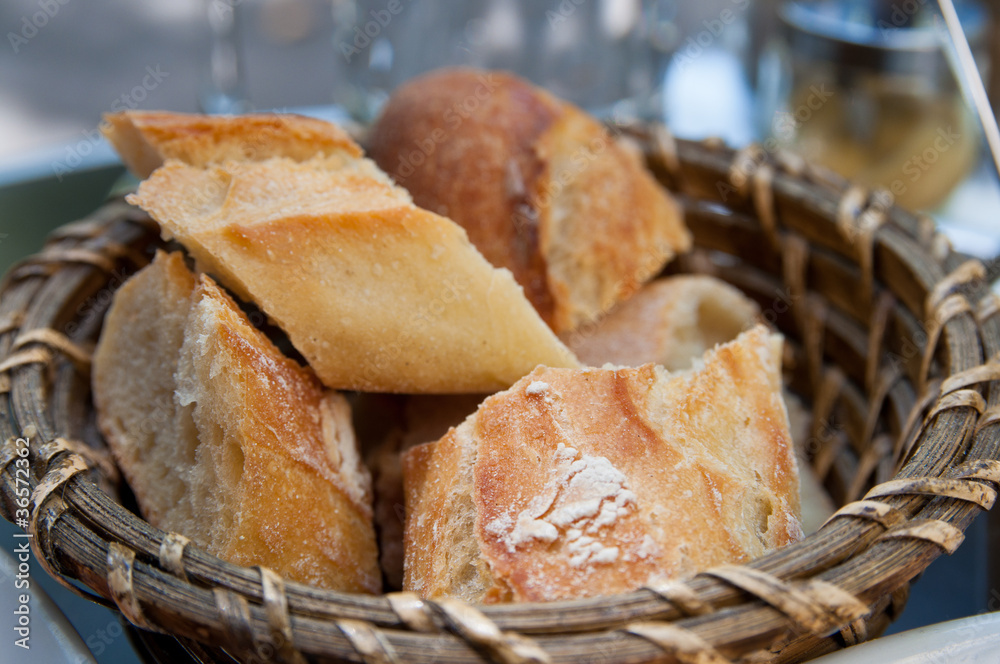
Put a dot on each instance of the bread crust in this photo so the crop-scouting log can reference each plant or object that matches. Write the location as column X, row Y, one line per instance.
column 388, row 426
column 253, row 459
column 376, row 293
column 671, row 321
column 146, row 139
column 585, row 482
column 541, row 188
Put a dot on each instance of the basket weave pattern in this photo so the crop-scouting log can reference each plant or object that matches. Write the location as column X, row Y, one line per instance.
column 891, row 336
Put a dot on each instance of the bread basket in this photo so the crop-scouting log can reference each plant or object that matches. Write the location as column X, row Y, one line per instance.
column 892, row 338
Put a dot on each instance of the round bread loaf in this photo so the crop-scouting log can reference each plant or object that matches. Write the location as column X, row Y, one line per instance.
column 540, row 187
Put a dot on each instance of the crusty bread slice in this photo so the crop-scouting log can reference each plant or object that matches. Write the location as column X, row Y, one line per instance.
column 134, row 370
column 670, row 321
column 376, row 294
column 541, row 187
column 387, row 426
column 225, row 440
column 146, row 139
column 585, row 482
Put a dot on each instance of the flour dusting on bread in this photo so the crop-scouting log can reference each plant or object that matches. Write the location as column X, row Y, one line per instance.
column 584, row 494
column 605, row 480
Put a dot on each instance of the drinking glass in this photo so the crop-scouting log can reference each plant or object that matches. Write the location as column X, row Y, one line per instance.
column 594, row 53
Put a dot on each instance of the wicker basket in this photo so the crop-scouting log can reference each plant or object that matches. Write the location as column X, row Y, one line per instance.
column 892, row 338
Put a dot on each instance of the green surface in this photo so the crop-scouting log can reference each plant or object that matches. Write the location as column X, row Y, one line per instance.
column 31, row 210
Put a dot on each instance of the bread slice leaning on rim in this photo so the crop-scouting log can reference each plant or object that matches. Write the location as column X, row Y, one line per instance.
column 225, row 440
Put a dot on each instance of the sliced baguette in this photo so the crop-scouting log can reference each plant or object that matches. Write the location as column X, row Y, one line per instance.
column 225, row 440
column 576, row 483
column 377, row 294
column 146, row 139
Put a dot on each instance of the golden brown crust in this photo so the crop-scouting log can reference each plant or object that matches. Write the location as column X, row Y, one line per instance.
column 146, row 139
column 227, row 441
column 671, row 321
column 597, row 481
column 377, row 294
column 388, row 426
column 300, row 509
column 541, row 188
column 461, row 143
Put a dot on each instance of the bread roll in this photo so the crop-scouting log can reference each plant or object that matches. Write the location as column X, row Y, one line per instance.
column 670, row 321
column 541, row 188
column 225, row 440
column 376, row 293
column 146, row 139
column 575, row 483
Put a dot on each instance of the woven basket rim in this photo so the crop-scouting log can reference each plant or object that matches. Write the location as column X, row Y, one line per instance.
column 829, row 590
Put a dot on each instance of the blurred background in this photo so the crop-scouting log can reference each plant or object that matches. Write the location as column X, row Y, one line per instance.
column 864, row 87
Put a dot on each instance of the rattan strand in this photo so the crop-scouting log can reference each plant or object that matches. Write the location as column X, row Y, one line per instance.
column 944, row 312
column 680, row 595
column 45, row 509
column 812, row 608
column 763, row 203
column 988, row 307
column 276, row 609
column 685, row 646
column 368, row 642
column 120, row 563
column 990, row 417
column 55, row 341
column 414, row 612
column 234, row 612
column 904, row 444
column 939, row 533
column 11, row 322
column 475, row 627
column 172, row 554
column 884, row 306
